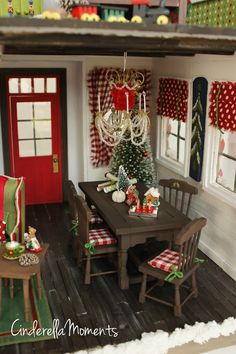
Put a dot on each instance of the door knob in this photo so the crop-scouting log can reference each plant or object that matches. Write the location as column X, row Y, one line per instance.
column 55, row 165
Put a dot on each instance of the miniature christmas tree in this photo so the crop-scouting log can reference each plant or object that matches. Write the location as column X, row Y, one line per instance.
column 123, row 181
column 136, row 160
column 196, row 134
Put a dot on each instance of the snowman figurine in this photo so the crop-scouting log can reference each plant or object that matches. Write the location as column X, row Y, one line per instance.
column 31, row 242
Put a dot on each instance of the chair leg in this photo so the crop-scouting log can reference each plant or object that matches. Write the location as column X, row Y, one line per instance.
column 88, row 270
column 194, row 285
column 177, row 306
column 143, row 289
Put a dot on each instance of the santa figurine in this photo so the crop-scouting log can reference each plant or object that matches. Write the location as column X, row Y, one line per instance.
column 31, row 242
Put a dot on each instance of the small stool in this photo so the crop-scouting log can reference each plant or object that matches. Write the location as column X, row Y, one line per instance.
column 13, row 270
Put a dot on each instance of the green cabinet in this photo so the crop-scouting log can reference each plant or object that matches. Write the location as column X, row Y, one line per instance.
column 21, row 7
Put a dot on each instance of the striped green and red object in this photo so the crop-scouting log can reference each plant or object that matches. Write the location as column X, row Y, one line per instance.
column 12, row 206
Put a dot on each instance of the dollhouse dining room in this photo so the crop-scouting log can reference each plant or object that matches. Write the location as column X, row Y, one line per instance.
column 117, row 176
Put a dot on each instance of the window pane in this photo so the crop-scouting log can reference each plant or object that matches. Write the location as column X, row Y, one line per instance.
column 26, row 148
column 42, row 110
column 226, row 173
column 43, row 129
column 39, row 85
column 171, row 150
column 173, row 126
column 25, row 130
column 182, row 129
column 24, row 111
column 25, row 85
column 228, row 144
column 51, row 85
column 13, row 85
column 181, row 150
column 44, row 147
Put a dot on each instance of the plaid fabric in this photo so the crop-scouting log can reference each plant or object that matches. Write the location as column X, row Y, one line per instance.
column 101, row 237
column 97, row 84
column 95, row 219
column 165, row 260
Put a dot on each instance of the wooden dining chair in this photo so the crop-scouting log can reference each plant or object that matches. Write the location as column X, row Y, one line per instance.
column 175, row 265
column 178, row 193
column 71, row 194
column 93, row 243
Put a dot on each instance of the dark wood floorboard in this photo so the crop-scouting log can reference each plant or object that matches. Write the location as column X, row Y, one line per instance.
column 103, row 303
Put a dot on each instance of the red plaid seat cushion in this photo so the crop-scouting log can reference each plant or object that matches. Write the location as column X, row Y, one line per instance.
column 165, row 260
column 101, row 237
column 95, row 218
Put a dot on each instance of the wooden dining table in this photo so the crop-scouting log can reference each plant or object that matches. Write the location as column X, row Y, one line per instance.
column 132, row 230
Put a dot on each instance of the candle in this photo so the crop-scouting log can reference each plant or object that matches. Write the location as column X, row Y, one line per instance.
column 127, row 102
column 139, row 102
column 144, row 101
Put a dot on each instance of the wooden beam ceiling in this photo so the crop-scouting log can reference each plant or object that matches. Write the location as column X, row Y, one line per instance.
column 73, row 37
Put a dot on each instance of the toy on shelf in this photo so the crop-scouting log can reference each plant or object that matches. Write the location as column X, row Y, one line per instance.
column 150, row 204
column 31, row 242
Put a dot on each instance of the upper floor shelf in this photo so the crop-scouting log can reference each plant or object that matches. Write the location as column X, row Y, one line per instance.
column 72, row 37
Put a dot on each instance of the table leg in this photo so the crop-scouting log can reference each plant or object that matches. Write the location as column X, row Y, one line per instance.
column 122, row 261
column 26, row 298
column 39, row 287
column 0, row 297
column 11, row 288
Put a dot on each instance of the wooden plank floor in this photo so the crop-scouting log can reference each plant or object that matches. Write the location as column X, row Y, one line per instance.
column 103, row 304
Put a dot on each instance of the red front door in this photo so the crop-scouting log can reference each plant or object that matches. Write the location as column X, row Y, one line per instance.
column 35, row 144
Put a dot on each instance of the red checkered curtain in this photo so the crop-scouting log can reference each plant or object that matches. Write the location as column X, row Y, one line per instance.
column 222, row 110
column 172, row 101
column 97, row 84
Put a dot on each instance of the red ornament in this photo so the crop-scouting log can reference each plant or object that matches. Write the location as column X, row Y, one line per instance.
column 145, row 153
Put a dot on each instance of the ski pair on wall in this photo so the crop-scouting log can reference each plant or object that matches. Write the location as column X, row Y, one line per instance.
column 199, row 101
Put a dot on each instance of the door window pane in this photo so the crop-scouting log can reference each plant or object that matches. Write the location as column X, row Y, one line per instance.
column 39, row 85
column 24, row 111
column 43, row 147
column 26, row 148
column 43, row 129
column 42, row 110
column 13, row 85
column 51, row 85
column 25, row 130
column 25, row 85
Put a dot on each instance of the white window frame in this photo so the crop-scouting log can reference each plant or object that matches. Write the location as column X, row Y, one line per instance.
column 175, row 166
column 209, row 167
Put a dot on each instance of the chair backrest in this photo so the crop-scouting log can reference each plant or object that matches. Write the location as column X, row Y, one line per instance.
column 187, row 240
column 178, row 193
column 71, row 194
column 12, row 206
column 84, row 215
